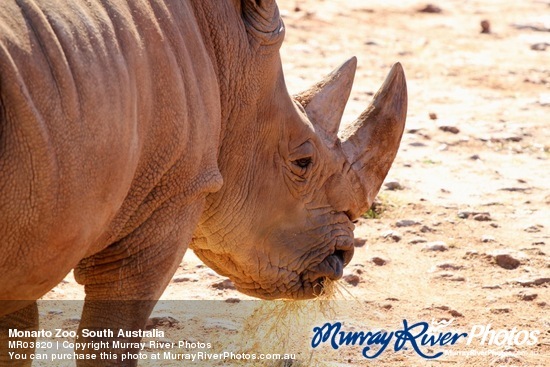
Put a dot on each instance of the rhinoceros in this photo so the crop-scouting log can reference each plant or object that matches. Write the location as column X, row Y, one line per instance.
column 131, row 130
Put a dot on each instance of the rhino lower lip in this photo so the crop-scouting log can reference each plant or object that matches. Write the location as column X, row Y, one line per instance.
column 332, row 267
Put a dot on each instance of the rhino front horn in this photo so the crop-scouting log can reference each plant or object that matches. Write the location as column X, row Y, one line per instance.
column 371, row 142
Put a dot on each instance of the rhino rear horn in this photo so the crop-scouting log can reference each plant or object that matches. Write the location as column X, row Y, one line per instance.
column 371, row 142
column 325, row 101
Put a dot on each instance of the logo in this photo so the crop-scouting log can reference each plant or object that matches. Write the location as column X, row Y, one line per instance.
column 416, row 336
column 420, row 337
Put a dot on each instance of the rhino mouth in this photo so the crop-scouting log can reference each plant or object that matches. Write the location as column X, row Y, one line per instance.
column 330, row 269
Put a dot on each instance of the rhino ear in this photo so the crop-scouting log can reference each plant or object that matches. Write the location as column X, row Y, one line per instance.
column 325, row 101
column 263, row 21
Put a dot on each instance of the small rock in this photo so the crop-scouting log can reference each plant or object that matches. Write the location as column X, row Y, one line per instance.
column 426, row 229
column 156, row 321
column 184, row 278
column 507, row 261
column 496, row 286
column 482, row 217
column 435, row 246
column 485, row 26
column 433, row 116
column 416, row 240
column 393, row 185
column 527, row 296
column 500, row 310
column 359, row 242
column 455, row 313
column 55, row 312
column 430, row 8
column 224, row 284
column 475, row 157
column 212, row 323
column 449, row 129
column 417, row 144
column 352, row 279
column 449, row 266
column 486, row 238
column 379, row 261
column 387, row 306
column 393, row 235
column 541, row 46
column 534, row 229
column 406, row 223
column 532, row 282
column 465, row 214
column 232, row 300
column 507, row 360
column 451, row 277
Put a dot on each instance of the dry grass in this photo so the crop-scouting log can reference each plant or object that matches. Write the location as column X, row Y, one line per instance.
column 278, row 327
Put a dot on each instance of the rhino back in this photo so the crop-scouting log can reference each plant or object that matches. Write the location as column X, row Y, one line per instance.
column 106, row 108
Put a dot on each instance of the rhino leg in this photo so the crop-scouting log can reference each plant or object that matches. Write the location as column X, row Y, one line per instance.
column 123, row 282
column 23, row 319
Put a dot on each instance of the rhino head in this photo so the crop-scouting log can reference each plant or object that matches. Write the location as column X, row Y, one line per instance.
column 293, row 185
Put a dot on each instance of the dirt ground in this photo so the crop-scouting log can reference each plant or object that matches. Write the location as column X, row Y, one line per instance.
column 461, row 229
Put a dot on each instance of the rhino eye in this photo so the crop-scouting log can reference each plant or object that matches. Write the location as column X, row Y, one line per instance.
column 303, row 162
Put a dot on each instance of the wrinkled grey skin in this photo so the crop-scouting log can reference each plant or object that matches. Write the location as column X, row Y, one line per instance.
column 131, row 130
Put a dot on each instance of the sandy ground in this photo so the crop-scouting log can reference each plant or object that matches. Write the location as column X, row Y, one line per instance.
column 461, row 230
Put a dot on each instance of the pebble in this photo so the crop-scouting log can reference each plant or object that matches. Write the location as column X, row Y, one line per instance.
column 449, row 129
column 540, row 46
column 426, row 229
column 500, row 310
column 352, row 279
column 487, row 238
column 532, row 282
column 527, row 296
column 482, row 217
column 224, row 284
column 393, row 235
column 435, row 246
column 184, row 278
column 507, row 360
column 430, row 8
column 449, row 266
column 416, row 240
column 160, row 321
column 433, row 116
column 233, row 300
column 393, row 185
column 359, row 242
column 379, row 261
column 465, row 214
column 212, row 323
column 534, row 228
column 417, row 144
column 451, row 277
column 485, row 26
column 507, row 261
column 406, row 223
